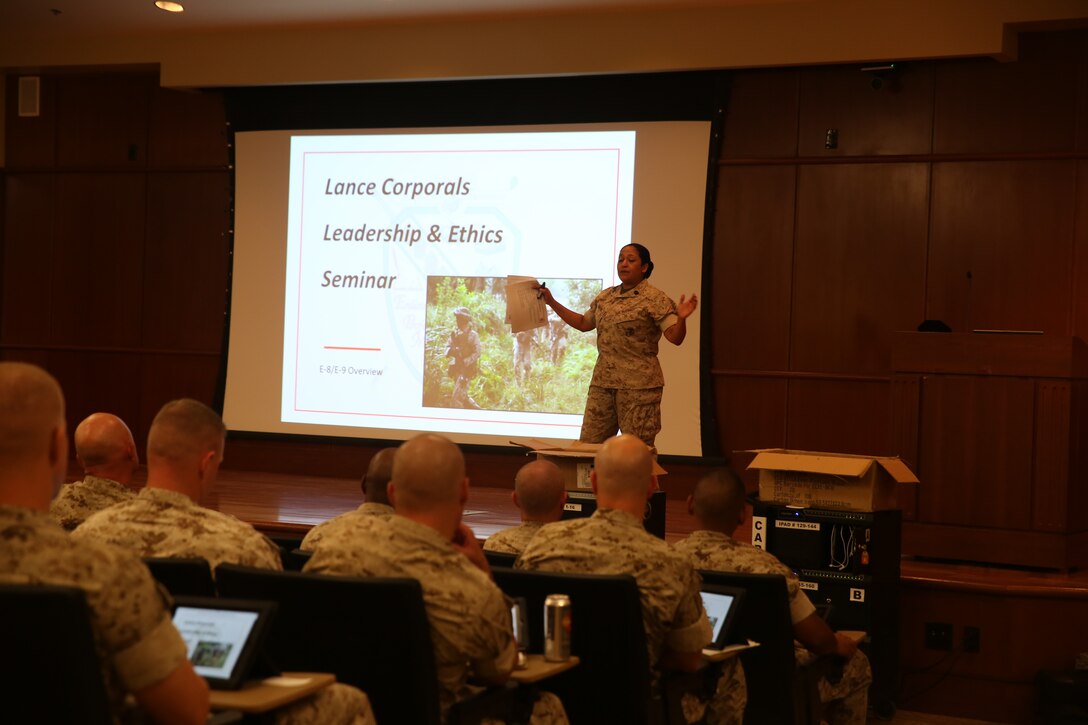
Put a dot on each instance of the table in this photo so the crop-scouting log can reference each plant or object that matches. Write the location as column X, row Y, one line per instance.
column 537, row 669
column 720, row 655
column 268, row 694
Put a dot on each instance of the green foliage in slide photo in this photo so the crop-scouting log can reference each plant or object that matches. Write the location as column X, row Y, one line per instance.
column 546, row 370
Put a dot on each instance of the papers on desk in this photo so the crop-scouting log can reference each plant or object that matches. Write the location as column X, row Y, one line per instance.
column 282, row 681
column 717, row 655
column 525, row 308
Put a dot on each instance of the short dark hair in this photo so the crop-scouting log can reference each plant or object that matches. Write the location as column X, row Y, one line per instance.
column 184, row 428
column 718, row 499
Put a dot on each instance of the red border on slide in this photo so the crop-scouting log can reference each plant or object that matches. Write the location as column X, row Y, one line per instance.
column 302, row 225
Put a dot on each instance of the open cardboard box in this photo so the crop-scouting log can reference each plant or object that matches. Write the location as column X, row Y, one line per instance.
column 575, row 461
column 829, row 480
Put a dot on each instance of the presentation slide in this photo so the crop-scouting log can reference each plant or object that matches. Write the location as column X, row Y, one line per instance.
column 369, row 291
column 214, row 638
column 389, row 235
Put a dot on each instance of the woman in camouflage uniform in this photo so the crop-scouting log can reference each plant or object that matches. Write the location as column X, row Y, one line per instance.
column 625, row 392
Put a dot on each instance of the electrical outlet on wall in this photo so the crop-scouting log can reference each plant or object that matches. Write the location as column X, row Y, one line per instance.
column 938, row 635
column 972, row 640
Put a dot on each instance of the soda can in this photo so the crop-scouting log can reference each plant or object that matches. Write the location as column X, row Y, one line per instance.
column 557, row 628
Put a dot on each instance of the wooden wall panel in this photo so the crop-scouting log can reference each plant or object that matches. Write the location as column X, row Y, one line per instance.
column 983, row 106
column 904, row 405
column 163, row 378
column 186, row 259
column 1001, row 248
column 751, row 414
column 31, row 140
column 102, row 120
column 965, row 479
column 98, row 260
column 843, row 416
column 895, row 118
column 1080, row 90
column 1019, row 635
column 303, row 458
column 761, row 118
column 753, row 260
column 39, row 356
column 859, row 264
column 1078, row 467
column 1050, row 474
column 98, row 381
column 1027, row 623
column 28, row 259
column 188, row 128
column 1079, row 305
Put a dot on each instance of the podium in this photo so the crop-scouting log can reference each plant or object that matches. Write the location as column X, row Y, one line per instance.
column 996, row 427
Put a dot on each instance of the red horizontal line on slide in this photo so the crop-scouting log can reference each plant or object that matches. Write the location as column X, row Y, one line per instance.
column 364, row 349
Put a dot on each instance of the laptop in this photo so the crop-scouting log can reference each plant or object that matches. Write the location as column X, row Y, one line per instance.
column 518, row 610
column 224, row 637
column 722, row 604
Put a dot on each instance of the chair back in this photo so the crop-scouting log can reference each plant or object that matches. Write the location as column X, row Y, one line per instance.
column 183, row 577
column 500, row 558
column 371, row 632
column 51, row 671
column 612, row 682
column 294, row 559
column 769, row 668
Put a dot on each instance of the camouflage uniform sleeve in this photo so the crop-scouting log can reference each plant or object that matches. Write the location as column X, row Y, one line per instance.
column 63, row 512
column 497, row 649
column 690, row 630
column 589, row 317
column 330, row 558
column 498, row 542
column 800, row 605
column 135, row 627
column 314, row 535
column 663, row 311
column 268, row 554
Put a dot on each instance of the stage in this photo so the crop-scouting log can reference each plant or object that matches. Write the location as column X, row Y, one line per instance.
column 285, row 506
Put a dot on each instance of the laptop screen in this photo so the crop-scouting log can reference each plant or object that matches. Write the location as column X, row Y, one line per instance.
column 721, row 605
column 518, row 610
column 222, row 637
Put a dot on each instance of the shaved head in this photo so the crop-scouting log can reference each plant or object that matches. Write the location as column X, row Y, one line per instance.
column 623, row 468
column 184, row 430
column 428, row 474
column 718, row 500
column 31, row 408
column 539, row 488
column 378, row 475
column 33, row 437
column 103, row 439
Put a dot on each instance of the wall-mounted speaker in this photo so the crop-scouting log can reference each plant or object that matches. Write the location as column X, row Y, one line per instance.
column 29, row 96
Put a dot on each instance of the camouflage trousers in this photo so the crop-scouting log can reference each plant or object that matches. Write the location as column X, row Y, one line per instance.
column 609, row 410
column 726, row 705
column 547, row 710
column 337, row 704
column 847, row 701
column 461, row 398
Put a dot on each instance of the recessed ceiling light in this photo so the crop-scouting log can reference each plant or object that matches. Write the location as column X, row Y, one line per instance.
column 169, row 7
